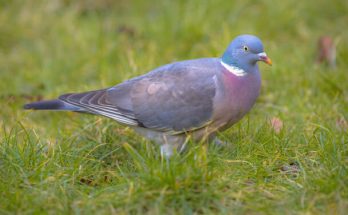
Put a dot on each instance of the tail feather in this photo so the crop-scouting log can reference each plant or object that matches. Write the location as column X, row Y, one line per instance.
column 52, row 105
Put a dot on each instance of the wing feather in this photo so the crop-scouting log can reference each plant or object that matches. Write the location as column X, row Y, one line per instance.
column 174, row 98
column 95, row 102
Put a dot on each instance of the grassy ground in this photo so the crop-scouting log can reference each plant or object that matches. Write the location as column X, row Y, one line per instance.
column 71, row 163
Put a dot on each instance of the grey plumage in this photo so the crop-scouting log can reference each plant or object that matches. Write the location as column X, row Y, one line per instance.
column 55, row 104
column 193, row 98
column 166, row 101
column 161, row 100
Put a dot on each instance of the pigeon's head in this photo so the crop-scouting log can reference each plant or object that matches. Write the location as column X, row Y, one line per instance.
column 244, row 52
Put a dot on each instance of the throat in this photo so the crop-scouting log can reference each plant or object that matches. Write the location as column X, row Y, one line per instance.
column 233, row 69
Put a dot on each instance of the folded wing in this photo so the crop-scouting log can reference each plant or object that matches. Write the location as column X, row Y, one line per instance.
column 173, row 98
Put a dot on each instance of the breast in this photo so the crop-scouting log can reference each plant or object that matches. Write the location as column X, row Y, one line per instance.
column 235, row 97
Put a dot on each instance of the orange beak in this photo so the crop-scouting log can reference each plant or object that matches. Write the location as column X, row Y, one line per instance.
column 263, row 57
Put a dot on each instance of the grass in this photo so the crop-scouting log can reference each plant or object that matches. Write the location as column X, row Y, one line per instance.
column 69, row 163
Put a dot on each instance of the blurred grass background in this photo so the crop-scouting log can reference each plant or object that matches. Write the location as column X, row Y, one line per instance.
column 71, row 163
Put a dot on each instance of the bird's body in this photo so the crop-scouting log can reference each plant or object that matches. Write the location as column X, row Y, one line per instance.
column 230, row 95
column 193, row 98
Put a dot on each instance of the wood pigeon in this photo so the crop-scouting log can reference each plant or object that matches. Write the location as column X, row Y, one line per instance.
column 187, row 99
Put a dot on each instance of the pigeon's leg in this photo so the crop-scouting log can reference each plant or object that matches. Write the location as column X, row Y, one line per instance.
column 219, row 142
column 167, row 150
column 171, row 145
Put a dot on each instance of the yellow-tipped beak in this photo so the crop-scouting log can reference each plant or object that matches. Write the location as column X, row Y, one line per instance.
column 263, row 57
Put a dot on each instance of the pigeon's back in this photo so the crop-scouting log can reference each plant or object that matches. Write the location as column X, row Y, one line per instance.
column 177, row 97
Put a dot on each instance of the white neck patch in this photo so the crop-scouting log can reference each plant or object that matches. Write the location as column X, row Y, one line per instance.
column 234, row 70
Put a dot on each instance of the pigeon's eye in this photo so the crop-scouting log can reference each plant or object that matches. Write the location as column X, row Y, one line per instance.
column 246, row 48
